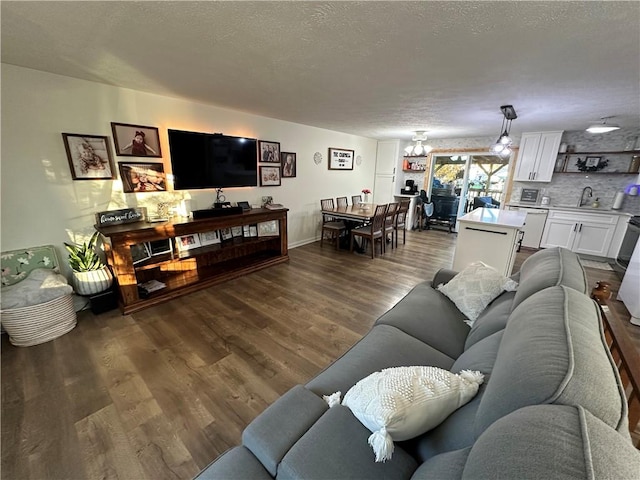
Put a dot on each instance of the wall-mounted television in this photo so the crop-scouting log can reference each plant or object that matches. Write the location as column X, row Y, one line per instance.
column 212, row 160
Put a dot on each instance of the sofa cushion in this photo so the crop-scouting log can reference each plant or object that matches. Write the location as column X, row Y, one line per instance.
column 492, row 320
column 474, row 288
column 235, row 464
column 446, row 466
column 403, row 402
column 281, row 425
column 428, row 315
column 41, row 285
column 549, row 268
column 551, row 441
column 383, row 347
column 553, row 351
column 336, row 447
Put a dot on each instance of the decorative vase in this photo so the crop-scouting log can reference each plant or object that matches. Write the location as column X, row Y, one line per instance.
column 93, row 281
column 365, row 202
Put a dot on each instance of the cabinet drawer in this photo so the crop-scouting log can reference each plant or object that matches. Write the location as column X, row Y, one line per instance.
column 583, row 217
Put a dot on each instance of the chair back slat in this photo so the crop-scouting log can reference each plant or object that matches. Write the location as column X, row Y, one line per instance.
column 402, row 212
column 356, row 199
column 377, row 223
column 342, row 201
column 327, row 204
column 390, row 215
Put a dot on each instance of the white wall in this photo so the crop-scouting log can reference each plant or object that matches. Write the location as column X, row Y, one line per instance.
column 41, row 204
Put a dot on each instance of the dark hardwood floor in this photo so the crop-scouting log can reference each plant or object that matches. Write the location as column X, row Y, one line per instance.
column 161, row 393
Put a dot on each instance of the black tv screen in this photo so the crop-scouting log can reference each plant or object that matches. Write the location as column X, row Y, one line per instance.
column 206, row 160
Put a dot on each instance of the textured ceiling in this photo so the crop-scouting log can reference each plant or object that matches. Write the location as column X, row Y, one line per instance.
column 377, row 69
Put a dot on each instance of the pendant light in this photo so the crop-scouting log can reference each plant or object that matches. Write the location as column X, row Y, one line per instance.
column 504, row 141
column 418, row 149
column 603, row 127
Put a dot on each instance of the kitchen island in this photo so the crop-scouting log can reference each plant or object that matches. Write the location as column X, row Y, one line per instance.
column 490, row 235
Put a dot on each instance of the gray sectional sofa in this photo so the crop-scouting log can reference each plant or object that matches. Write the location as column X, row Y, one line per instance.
column 551, row 405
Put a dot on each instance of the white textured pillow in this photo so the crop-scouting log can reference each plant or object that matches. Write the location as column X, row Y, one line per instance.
column 475, row 287
column 403, row 402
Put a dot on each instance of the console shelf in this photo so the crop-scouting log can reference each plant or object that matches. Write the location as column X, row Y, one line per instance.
column 193, row 269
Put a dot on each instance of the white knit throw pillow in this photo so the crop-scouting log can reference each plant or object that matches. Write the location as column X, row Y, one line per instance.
column 403, row 402
column 474, row 288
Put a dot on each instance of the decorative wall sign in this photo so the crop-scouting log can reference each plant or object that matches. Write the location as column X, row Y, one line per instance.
column 288, row 164
column 269, row 151
column 529, row 195
column 142, row 177
column 591, row 164
column 340, row 159
column 89, row 157
column 119, row 217
column 136, row 140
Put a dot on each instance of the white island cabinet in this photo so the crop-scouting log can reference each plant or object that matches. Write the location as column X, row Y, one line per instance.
column 489, row 235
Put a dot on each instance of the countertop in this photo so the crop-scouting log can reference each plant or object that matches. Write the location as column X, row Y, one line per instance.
column 569, row 208
column 495, row 216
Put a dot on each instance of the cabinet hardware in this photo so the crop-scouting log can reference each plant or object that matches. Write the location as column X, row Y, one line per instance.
column 483, row 230
column 580, row 229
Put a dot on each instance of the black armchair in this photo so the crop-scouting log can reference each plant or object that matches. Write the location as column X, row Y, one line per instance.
column 445, row 211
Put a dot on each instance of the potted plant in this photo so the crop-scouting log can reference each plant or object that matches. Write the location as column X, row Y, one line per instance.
column 90, row 274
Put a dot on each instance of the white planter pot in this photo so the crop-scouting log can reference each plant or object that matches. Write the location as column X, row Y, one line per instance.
column 90, row 283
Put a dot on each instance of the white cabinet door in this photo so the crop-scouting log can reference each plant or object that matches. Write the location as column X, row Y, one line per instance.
column 383, row 189
column 593, row 238
column 559, row 233
column 537, row 157
column 387, row 157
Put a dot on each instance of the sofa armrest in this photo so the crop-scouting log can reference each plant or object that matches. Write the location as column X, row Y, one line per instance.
column 443, row 276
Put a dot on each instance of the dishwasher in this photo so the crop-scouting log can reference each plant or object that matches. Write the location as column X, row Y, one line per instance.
column 533, row 225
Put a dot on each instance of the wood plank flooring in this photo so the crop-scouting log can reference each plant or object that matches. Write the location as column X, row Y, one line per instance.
column 161, row 393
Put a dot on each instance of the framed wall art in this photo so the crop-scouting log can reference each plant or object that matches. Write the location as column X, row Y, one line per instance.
column 142, row 177
column 269, row 176
column 210, row 238
column 340, row 159
column 187, row 242
column 269, row 151
column 89, row 157
column 288, row 164
column 136, row 140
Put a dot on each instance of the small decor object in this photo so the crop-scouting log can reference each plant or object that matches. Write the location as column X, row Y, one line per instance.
column 163, row 209
column 210, row 238
column 269, row 151
column 359, row 160
column 136, row 140
column 269, row 176
column 140, row 252
column 601, row 292
column 591, row 164
column 317, row 158
column 529, row 195
column 400, row 403
column 341, row 159
column 288, row 164
column 365, row 200
column 245, row 206
column 90, row 274
column 89, row 157
column 187, row 242
column 268, row 229
column 119, row 217
column 267, row 200
column 142, row 177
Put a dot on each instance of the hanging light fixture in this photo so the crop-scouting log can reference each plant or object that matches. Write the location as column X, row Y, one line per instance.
column 603, row 127
column 504, row 141
column 418, row 149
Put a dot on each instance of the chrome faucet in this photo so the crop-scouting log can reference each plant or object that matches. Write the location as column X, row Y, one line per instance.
column 582, row 200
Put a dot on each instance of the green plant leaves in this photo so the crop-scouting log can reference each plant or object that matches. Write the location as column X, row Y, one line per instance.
column 83, row 257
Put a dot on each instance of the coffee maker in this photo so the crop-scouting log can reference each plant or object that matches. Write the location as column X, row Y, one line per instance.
column 410, row 188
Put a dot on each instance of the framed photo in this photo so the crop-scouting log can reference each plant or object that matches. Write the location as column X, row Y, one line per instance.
column 288, row 164
column 340, row 159
column 245, row 206
column 136, row 140
column 160, row 247
column 226, row 234
column 140, row 252
column 269, row 151
column 236, row 231
column 268, row 229
column 529, row 195
column 591, row 162
column 269, row 176
column 187, row 242
column 89, row 157
column 210, row 238
column 142, row 177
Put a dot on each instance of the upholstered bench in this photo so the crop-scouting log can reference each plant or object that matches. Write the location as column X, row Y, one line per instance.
column 36, row 302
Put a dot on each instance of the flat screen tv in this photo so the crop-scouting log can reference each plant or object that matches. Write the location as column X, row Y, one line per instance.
column 206, row 160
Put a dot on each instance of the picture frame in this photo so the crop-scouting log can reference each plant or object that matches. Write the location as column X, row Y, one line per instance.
column 270, row 176
column 269, row 152
column 236, row 231
column 592, row 162
column 341, row 159
column 140, row 252
column 89, row 156
column 288, row 160
column 139, row 177
column 268, row 229
column 160, row 247
column 187, row 242
column 226, row 234
column 529, row 195
column 210, row 238
column 136, row 140
column 244, row 205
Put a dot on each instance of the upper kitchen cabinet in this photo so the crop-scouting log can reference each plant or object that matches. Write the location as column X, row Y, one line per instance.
column 537, row 157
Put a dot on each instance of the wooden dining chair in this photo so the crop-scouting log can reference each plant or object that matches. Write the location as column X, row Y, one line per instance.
column 342, row 201
column 374, row 231
column 389, row 222
column 401, row 221
column 356, row 199
column 331, row 225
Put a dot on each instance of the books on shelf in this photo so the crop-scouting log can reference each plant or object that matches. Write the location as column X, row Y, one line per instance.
column 151, row 286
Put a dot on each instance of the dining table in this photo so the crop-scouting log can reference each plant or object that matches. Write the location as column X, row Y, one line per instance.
column 353, row 215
